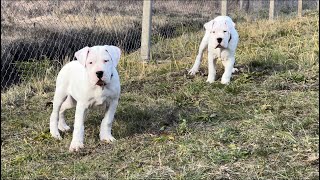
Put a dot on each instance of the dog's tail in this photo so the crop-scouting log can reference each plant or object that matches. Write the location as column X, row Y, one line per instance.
column 49, row 104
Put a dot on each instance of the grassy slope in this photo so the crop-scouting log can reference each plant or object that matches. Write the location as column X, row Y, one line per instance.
column 169, row 125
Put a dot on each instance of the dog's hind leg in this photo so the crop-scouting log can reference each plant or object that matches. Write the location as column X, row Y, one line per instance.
column 67, row 104
column 234, row 70
column 59, row 97
column 202, row 47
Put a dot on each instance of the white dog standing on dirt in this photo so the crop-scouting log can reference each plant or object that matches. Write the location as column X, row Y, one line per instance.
column 221, row 38
column 91, row 80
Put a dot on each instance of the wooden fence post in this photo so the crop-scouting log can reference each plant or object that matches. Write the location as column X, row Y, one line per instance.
column 299, row 8
column 241, row 4
column 146, row 30
column 271, row 10
column 247, row 7
column 224, row 7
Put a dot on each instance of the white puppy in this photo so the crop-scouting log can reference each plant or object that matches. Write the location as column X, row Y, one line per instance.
column 221, row 38
column 90, row 80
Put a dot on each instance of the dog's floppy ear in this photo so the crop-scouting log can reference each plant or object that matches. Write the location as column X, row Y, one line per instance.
column 230, row 23
column 115, row 53
column 208, row 25
column 82, row 55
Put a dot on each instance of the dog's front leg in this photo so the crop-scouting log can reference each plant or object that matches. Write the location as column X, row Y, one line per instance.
column 228, row 64
column 78, row 132
column 212, row 61
column 202, row 47
column 106, row 124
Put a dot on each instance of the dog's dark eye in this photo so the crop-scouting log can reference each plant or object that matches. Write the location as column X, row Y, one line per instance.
column 106, row 60
column 213, row 32
column 224, row 31
column 90, row 62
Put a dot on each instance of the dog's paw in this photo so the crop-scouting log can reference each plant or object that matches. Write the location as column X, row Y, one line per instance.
column 56, row 135
column 225, row 81
column 108, row 139
column 210, row 80
column 234, row 70
column 63, row 127
column 75, row 146
column 192, row 71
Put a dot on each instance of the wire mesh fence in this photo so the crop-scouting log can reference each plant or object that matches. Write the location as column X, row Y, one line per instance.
column 37, row 36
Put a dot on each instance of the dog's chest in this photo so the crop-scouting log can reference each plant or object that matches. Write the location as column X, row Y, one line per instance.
column 96, row 101
column 222, row 54
column 99, row 97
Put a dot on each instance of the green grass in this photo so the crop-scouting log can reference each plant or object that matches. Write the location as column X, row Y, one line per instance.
column 264, row 125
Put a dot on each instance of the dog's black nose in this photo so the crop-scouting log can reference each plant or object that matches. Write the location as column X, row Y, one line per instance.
column 219, row 40
column 99, row 74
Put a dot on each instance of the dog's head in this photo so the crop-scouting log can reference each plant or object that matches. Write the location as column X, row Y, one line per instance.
column 100, row 62
column 221, row 29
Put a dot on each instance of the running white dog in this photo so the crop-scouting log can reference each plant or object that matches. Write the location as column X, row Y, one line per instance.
column 91, row 80
column 221, row 38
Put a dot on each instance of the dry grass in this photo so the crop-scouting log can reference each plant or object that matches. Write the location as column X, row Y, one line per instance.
column 264, row 125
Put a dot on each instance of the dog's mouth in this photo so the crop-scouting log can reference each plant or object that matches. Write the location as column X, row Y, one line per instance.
column 219, row 46
column 101, row 83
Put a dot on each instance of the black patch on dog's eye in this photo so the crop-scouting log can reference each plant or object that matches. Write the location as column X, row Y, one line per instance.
column 90, row 62
column 224, row 31
column 106, row 60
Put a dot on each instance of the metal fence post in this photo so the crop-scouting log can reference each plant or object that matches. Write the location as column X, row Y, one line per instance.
column 146, row 30
column 271, row 10
column 224, row 7
column 299, row 8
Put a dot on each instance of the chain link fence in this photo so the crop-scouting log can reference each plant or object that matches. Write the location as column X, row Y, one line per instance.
column 40, row 35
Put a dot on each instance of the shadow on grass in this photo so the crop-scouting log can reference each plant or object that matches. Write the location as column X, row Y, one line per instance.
column 130, row 120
